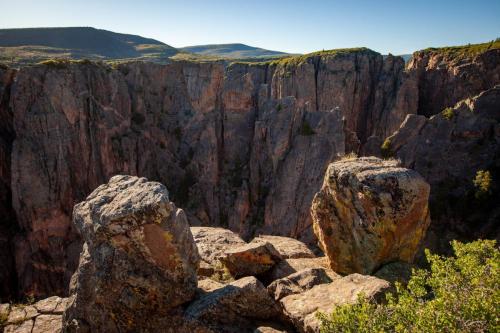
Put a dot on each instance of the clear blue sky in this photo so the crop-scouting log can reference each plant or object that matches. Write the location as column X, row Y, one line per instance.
column 292, row 26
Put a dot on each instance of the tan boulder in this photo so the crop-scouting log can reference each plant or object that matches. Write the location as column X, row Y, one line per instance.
column 370, row 212
column 301, row 309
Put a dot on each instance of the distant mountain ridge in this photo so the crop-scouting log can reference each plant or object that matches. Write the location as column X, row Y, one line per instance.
column 232, row 51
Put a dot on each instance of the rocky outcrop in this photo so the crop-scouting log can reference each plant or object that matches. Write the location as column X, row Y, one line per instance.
column 446, row 76
column 448, row 150
column 43, row 316
column 139, row 259
column 301, row 309
column 370, row 212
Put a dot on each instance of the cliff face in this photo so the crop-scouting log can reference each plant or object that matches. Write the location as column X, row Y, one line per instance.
column 445, row 78
column 7, row 218
column 449, row 150
column 243, row 146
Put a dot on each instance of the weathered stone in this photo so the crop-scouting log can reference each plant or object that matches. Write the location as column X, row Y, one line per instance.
column 250, row 259
column 370, row 212
column 23, row 327
column 212, row 243
column 139, row 260
column 52, row 305
column 298, row 282
column 47, row 323
column 207, row 285
column 290, row 266
column 301, row 308
column 288, row 248
column 234, row 306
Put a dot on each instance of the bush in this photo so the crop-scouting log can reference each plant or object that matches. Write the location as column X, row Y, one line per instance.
column 306, row 129
column 482, row 183
column 448, row 113
column 458, row 294
column 386, row 150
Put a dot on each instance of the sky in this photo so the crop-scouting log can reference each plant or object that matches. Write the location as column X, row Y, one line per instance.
column 397, row 27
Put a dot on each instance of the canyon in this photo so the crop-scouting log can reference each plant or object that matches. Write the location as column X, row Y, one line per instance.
column 244, row 146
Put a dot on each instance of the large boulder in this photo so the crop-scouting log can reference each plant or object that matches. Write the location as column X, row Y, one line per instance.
column 139, row 260
column 301, row 309
column 370, row 212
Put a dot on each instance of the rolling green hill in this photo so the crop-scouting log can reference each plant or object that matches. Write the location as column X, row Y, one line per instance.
column 32, row 45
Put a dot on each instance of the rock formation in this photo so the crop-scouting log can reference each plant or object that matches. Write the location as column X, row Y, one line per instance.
column 444, row 78
column 448, row 150
column 370, row 212
column 139, row 259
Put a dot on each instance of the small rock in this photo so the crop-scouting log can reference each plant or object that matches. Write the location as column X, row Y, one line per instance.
column 250, row 259
column 301, row 308
column 212, row 243
column 52, row 305
column 287, row 247
column 207, row 285
column 236, row 304
column 298, row 282
column 290, row 266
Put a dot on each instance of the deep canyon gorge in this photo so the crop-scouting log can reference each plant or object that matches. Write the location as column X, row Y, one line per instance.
column 244, row 146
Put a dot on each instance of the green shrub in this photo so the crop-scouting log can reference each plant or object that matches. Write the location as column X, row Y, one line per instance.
column 279, row 107
column 448, row 113
column 482, row 183
column 458, row 294
column 306, row 129
column 385, row 149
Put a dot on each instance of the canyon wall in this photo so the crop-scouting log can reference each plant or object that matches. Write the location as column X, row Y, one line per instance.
column 243, row 145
